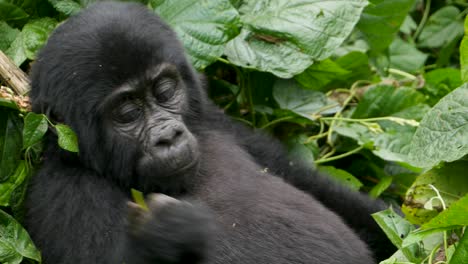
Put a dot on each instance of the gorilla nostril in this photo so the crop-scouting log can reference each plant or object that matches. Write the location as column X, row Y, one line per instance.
column 169, row 138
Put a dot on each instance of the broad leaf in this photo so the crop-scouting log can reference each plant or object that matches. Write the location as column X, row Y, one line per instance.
column 405, row 56
column 307, row 103
column 35, row 34
column 10, row 12
column 396, row 228
column 10, row 142
column 443, row 132
column 442, row 27
column 7, row 187
column 8, row 35
column 341, row 176
column 204, row 26
column 67, row 138
column 15, row 243
column 35, row 126
column 461, row 253
column 285, row 37
column 320, row 74
column 381, row 21
column 449, row 180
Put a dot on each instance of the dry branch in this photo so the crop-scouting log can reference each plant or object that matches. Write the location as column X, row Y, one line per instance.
column 13, row 76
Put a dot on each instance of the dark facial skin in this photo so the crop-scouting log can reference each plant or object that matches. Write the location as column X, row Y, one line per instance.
column 148, row 112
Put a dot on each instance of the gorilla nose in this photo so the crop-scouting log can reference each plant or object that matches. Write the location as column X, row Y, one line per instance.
column 169, row 137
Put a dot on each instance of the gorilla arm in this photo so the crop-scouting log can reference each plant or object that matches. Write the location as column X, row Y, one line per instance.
column 82, row 218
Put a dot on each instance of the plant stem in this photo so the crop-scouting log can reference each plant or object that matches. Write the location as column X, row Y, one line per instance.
column 349, row 153
column 422, row 23
column 402, row 73
column 279, row 120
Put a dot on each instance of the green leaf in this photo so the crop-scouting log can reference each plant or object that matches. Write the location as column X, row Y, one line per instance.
column 67, row 139
column 341, row 176
column 461, row 253
column 396, row 228
column 443, row 132
column 320, row 74
column 285, row 37
column 35, row 34
column 16, row 50
column 10, row 12
column 66, row 7
column 464, row 54
column 449, row 180
column 8, row 35
column 299, row 148
column 455, row 216
column 306, row 103
column 7, row 187
column 139, row 198
column 405, row 56
column 442, row 27
column 387, row 100
column 10, row 142
column 380, row 187
column 381, row 20
column 35, row 127
column 204, row 26
column 440, row 82
column 15, row 243
column 408, row 25
column 8, row 104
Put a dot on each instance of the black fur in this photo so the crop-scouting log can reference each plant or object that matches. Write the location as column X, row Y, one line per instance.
column 230, row 210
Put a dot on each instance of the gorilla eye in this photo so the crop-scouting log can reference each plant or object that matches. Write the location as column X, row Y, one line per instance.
column 165, row 90
column 127, row 112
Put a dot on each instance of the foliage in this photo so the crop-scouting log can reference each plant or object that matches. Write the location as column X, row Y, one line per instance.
column 372, row 93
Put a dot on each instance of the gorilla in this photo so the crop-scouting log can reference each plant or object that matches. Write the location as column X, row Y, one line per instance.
column 118, row 76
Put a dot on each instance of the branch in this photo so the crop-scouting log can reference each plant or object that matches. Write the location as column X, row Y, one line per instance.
column 13, row 76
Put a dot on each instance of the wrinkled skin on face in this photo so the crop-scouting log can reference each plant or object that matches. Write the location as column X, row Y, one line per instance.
column 148, row 112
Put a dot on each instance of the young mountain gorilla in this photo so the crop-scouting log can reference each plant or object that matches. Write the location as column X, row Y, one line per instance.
column 118, row 76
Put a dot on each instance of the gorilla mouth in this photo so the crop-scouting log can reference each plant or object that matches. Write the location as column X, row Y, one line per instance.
column 169, row 162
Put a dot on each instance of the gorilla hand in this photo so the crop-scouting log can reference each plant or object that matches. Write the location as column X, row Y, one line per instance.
column 170, row 231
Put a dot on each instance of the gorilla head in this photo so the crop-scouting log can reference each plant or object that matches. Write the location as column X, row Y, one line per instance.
column 130, row 98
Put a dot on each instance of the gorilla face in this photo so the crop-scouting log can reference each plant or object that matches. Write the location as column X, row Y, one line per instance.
column 148, row 113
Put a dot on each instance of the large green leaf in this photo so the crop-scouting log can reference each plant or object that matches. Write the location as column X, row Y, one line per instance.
column 320, row 74
column 307, row 103
column 15, row 243
column 442, row 27
column 35, row 34
column 35, row 126
column 443, row 132
column 7, row 187
column 10, row 12
column 449, row 180
column 396, row 228
column 461, row 253
column 405, row 56
column 8, row 35
column 66, row 7
column 381, row 21
column 204, row 26
column 285, row 37
column 10, row 142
